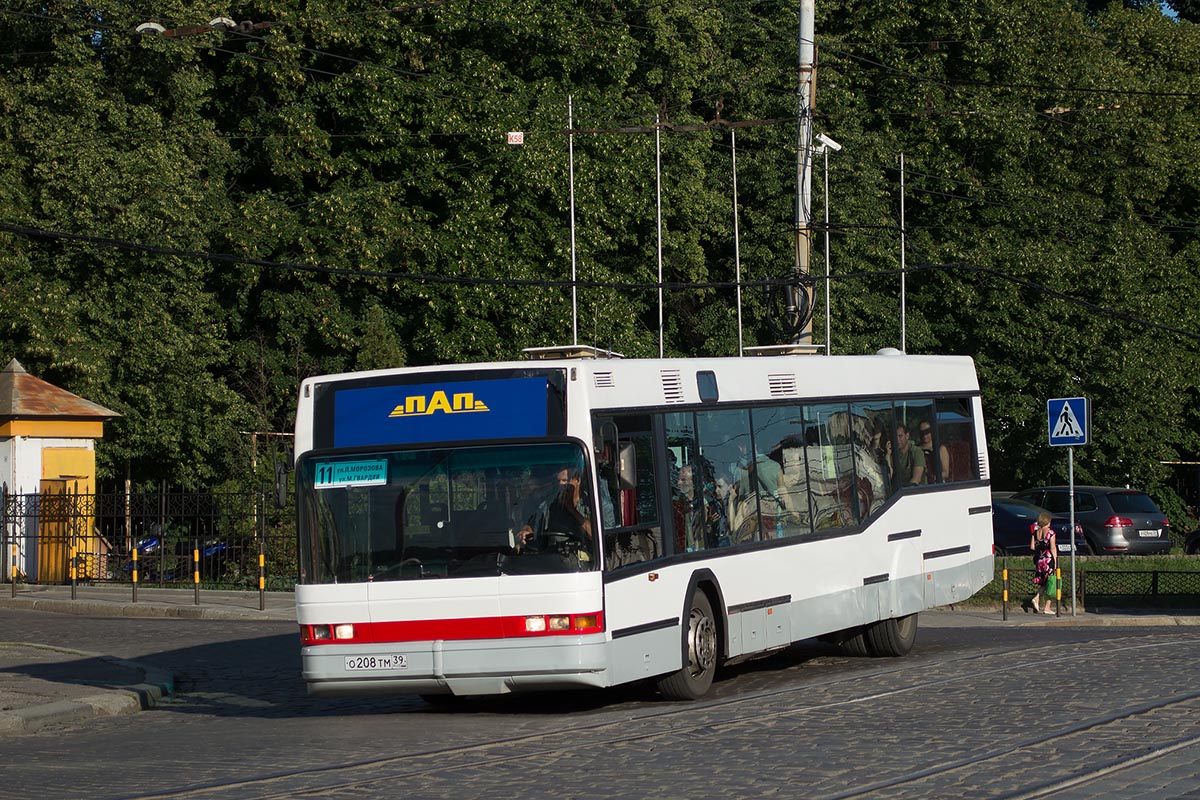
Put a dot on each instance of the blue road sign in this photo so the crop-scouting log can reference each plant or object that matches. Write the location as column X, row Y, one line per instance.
column 1069, row 421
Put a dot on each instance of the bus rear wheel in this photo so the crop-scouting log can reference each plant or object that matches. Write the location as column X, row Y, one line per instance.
column 892, row 637
column 700, row 639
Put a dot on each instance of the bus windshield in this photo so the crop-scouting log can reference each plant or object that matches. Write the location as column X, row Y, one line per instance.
column 445, row 513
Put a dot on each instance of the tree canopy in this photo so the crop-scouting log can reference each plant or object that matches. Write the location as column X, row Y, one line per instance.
column 192, row 222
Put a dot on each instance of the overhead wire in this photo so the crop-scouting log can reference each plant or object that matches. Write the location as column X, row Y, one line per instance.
column 467, row 280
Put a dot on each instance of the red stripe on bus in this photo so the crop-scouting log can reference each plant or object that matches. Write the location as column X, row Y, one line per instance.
column 466, row 628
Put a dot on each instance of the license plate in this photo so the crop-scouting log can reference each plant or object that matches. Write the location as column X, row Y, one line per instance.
column 1064, row 548
column 1148, row 534
column 367, row 663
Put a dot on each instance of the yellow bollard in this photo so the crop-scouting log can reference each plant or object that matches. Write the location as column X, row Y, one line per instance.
column 1004, row 584
column 1058, row 591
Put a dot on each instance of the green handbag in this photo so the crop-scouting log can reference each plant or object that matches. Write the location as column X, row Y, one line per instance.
column 1051, row 585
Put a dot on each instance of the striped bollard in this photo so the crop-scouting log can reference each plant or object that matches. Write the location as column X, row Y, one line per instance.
column 262, row 578
column 1004, row 584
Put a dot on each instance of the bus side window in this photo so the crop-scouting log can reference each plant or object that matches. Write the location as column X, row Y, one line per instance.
column 626, row 467
column 829, row 454
column 956, row 440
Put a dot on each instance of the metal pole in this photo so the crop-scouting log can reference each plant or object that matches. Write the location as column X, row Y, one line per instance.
column 658, row 206
column 262, row 572
column 1071, row 491
column 804, row 97
column 903, row 288
column 737, row 255
column 828, row 350
column 73, row 511
column 6, row 534
column 571, row 161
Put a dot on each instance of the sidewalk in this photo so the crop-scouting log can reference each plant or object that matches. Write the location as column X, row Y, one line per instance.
column 41, row 685
column 117, row 601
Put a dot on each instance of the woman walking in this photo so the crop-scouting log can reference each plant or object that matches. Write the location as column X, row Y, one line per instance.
column 1044, row 547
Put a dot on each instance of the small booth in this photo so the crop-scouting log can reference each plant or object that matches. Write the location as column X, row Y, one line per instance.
column 48, row 478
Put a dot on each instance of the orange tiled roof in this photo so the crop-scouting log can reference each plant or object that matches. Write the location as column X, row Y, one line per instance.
column 23, row 396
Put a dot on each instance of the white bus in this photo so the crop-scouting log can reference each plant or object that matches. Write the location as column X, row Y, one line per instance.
column 579, row 521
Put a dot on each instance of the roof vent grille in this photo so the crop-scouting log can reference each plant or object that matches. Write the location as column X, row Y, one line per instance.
column 672, row 386
column 782, row 385
column 604, row 380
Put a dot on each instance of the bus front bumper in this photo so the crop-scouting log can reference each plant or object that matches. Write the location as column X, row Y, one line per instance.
column 488, row 666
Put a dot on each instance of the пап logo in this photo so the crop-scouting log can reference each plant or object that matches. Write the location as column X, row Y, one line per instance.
column 458, row 403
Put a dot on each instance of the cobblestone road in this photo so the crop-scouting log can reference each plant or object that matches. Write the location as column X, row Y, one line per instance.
column 972, row 712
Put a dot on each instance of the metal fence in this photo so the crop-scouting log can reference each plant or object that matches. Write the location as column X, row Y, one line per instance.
column 1148, row 587
column 58, row 537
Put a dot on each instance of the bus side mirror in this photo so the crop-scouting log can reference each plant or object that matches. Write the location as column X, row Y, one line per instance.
column 281, row 485
column 627, row 466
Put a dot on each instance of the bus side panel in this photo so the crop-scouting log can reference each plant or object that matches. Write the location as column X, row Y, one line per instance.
column 905, row 593
column 642, row 614
column 645, row 655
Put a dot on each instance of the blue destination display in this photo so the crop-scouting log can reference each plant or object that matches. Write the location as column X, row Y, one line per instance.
column 439, row 412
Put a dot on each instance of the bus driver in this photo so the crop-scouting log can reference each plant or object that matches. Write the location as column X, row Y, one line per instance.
column 565, row 512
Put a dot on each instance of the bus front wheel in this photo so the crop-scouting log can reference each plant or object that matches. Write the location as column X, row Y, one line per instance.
column 696, row 676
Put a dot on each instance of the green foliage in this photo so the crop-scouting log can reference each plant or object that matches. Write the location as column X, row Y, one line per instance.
column 352, row 165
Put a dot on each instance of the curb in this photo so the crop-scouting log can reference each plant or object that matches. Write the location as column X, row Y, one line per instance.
column 1097, row 617
column 156, row 685
column 103, row 608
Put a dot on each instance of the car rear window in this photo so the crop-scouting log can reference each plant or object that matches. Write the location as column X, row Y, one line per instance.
column 1132, row 503
column 1059, row 502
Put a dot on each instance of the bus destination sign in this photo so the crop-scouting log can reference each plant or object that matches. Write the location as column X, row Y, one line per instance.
column 338, row 474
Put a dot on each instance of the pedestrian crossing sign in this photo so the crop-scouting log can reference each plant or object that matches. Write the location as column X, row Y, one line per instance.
column 1069, row 421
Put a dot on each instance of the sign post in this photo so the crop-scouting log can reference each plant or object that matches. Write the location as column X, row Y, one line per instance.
column 1069, row 423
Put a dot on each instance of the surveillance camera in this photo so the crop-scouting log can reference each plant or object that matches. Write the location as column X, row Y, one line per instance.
column 830, row 143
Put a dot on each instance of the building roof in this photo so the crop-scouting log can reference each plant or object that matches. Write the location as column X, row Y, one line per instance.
column 22, row 396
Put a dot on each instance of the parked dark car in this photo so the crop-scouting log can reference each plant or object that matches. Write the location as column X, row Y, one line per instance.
column 1012, row 527
column 1192, row 545
column 1115, row 521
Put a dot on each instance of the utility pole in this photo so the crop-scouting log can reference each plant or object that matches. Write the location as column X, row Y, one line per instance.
column 801, row 323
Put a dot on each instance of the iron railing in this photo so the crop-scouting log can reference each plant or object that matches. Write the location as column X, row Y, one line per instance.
column 1149, row 587
column 180, row 539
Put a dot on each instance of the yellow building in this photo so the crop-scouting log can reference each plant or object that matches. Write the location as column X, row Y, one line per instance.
column 47, row 454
